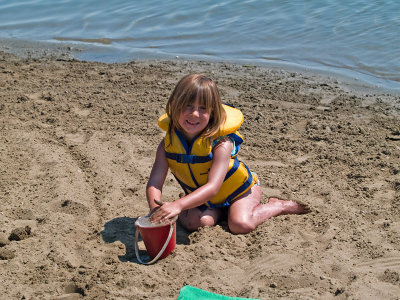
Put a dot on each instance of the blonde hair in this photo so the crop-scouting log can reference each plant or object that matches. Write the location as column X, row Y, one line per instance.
column 194, row 87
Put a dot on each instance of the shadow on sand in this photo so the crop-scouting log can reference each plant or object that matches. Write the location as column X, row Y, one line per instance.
column 123, row 229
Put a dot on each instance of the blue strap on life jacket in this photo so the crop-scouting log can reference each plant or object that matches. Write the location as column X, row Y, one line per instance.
column 235, row 166
column 238, row 142
column 219, row 205
column 187, row 189
column 189, row 158
column 193, row 177
column 183, row 140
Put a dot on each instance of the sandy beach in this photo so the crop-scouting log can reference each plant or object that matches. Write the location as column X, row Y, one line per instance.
column 77, row 142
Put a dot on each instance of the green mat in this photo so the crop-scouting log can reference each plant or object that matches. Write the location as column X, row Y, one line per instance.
column 191, row 293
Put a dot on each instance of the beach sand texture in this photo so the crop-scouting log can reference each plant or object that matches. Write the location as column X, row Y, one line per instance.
column 77, row 142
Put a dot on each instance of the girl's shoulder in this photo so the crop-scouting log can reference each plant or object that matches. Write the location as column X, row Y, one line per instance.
column 223, row 139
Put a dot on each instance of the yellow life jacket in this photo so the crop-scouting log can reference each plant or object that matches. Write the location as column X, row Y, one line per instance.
column 190, row 163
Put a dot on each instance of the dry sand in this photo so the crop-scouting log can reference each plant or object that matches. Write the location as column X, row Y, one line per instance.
column 76, row 147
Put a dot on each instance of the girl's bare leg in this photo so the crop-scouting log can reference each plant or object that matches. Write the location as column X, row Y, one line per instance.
column 194, row 218
column 246, row 213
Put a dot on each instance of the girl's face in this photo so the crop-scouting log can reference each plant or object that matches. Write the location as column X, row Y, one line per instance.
column 193, row 119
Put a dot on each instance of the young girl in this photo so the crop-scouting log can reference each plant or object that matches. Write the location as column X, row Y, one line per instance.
column 200, row 148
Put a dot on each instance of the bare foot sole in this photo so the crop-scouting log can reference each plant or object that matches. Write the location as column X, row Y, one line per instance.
column 291, row 206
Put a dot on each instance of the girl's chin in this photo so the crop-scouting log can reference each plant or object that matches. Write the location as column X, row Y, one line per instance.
column 192, row 127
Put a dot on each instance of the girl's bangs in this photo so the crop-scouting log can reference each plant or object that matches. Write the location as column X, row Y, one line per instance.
column 205, row 98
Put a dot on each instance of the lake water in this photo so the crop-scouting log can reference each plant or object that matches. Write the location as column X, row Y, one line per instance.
column 359, row 39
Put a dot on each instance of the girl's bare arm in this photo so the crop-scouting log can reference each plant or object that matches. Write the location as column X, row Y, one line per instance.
column 157, row 177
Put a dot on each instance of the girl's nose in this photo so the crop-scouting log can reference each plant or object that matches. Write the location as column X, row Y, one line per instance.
column 195, row 111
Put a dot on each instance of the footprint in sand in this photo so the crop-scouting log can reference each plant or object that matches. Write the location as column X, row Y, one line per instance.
column 129, row 192
column 392, row 277
column 81, row 112
column 78, row 138
column 73, row 208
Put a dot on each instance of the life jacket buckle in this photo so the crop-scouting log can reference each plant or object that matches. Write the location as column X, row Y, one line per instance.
column 184, row 158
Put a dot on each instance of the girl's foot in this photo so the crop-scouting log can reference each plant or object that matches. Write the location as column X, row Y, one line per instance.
column 290, row 207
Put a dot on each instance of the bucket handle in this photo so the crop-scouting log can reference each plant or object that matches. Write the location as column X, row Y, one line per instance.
column 171, row 230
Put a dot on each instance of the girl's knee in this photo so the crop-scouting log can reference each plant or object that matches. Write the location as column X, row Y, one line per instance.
column 241, row 227
column 193, row 223
column 207, row 221
column 190, row 225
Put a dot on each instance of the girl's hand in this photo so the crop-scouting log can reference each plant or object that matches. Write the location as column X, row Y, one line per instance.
column 152, row 211
column 165, row 211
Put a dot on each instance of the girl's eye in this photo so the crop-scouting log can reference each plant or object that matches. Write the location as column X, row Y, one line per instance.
column 191, row 107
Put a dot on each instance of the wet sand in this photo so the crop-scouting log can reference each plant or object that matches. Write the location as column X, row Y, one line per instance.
column 77, row 143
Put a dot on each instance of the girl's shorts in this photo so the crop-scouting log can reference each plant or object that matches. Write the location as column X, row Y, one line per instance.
column 255, row 179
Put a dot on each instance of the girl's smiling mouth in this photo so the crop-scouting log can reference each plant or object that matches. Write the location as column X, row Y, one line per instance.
column 193, row 123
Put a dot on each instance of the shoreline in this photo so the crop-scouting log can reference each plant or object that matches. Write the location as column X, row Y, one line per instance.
column 77, row 143
column 96, row 53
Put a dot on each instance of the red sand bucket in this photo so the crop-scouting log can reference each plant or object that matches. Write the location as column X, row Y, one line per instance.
column 159, row 238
